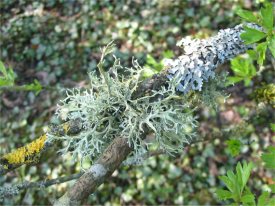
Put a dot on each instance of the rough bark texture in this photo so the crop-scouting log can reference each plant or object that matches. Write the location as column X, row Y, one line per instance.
column 107, row 163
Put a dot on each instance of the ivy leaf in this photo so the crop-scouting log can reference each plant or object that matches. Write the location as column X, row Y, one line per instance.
column 267, row 17
column 251, row 36
column 247, row 15
column 234, row 146
column 269, row 158
column 261, row 49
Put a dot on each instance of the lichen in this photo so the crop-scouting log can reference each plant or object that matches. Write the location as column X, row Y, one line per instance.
column 98, row 170
column 27, row 153
column 201, row 57
column 109, row 109
column 8, row 191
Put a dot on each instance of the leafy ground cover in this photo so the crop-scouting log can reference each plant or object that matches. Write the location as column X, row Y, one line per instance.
column 57, row 43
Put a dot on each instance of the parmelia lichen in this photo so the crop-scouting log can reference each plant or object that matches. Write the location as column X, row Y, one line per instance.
column 109, row 109
column 202, row 57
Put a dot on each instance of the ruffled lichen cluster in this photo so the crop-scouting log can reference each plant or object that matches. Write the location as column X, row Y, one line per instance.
column 202, row 57
column 110, row 109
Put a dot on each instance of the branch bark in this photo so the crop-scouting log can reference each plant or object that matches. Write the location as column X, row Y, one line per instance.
column 9, row 191
column 107, row 163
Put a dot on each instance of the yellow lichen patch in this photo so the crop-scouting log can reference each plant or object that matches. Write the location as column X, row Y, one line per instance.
column 66, row 127
column 25, row 154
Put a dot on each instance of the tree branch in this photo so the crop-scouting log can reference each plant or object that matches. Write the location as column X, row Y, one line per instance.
column 107, row 163
column 29, row 153
column 195, row 63
column 13, row 190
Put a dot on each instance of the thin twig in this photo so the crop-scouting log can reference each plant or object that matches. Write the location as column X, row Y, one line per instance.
column 39, row 184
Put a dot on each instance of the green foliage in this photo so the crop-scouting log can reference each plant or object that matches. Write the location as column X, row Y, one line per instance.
column 251, row 35
column 63, row 42
column 271, row 45
column 266, row 200
column 8, row 81
column 267, row 17
column 152, row 66
column 264, row 19
column 8, row 76
column 35, row 86
column 243, row 69
column 237, row 187
column 60, row 36
column 234, row 146
column 269, row 157
column 247, row 15
column 236, row 184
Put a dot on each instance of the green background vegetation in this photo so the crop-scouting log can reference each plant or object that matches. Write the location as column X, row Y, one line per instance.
column 60, row 44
